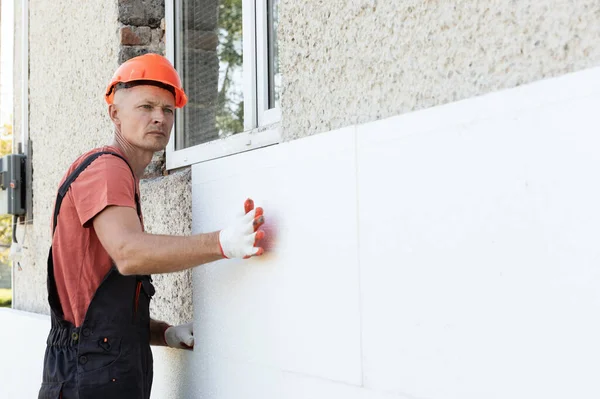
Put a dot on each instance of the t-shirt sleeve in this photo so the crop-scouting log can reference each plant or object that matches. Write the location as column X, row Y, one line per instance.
column 108, row 181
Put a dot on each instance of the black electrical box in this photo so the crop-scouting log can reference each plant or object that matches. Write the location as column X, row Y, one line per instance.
column 12, row 185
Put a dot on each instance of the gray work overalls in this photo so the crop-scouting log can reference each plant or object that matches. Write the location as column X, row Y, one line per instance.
column 109, row 355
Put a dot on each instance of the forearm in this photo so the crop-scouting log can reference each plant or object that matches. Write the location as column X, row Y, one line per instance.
column 157, row 332
column 153, row 254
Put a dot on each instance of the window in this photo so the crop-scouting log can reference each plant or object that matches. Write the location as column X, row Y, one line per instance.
column 227, row 55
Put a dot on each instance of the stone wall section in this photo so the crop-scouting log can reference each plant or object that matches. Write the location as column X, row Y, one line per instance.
column 166, row 199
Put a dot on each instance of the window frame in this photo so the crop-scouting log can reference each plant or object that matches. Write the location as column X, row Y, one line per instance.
column 266, row 115
column 261, row 124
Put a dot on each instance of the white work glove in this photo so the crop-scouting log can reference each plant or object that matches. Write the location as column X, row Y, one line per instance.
column 180, row 337
column 240, row 239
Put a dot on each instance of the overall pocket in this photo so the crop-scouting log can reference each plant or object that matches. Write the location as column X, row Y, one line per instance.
column 100, row 353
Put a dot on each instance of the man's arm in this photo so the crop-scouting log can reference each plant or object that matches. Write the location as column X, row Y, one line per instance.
column 137, row 252
column 157, row 332
column 178, row 337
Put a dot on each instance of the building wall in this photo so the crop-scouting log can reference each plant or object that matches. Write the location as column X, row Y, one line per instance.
column 346, row 62
column 167, row 209
column 71, row 59
column 342, row 63
column 437, row 254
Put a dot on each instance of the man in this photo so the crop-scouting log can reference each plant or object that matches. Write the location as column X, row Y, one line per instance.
column 100, row 262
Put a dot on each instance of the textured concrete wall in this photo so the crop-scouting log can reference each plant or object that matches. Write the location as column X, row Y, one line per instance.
column 345, row 62
column 70, row 64
column 71, row 59
column 167, row 209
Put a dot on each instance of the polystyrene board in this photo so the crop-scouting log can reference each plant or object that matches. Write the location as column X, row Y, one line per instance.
column 230, row 379
column 174, row 374
column 479, row 253
column 297, row 307
column 295, row 386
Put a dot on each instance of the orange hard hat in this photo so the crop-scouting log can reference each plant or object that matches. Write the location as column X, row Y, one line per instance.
column 148, row 67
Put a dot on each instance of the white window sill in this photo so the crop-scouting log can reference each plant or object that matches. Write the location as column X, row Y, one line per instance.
column 234, row 144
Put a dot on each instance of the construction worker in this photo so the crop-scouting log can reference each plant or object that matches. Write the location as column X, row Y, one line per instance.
column 100, row 261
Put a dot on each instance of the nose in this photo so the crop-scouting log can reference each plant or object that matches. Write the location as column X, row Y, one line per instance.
column 158, row 116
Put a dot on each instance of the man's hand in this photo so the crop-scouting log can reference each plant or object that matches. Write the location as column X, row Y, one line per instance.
column 240, row 239
column 180, row 337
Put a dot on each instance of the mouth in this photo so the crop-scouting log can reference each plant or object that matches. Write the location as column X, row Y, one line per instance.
column 157, row 133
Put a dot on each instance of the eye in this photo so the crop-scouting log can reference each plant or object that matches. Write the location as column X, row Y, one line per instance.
column 147, row 106
column 168, row 111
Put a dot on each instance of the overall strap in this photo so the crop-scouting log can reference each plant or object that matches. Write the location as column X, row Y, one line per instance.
column 63, row 328
column 64, row 188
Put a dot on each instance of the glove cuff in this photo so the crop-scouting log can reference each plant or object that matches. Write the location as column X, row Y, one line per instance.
column 221, row 246
column 164, row 333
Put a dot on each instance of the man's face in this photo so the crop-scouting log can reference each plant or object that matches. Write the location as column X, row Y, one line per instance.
column 144, row 116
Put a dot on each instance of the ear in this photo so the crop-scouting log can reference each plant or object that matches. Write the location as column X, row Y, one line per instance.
column 113, row 112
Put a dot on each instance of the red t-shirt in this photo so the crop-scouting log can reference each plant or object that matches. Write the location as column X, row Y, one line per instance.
column 80, row 261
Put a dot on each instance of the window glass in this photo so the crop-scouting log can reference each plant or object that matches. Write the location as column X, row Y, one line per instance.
column 208, row 55
column 274, row 73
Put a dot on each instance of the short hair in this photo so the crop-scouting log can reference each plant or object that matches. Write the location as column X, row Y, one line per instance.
column 129, row 85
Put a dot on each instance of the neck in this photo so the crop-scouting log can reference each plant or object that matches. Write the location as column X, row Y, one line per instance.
column 138, row 158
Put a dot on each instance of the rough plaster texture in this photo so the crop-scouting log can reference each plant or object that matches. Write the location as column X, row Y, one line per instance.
column 71, row 61
column 346, row 62
column 69, row 66
column 167, row 209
